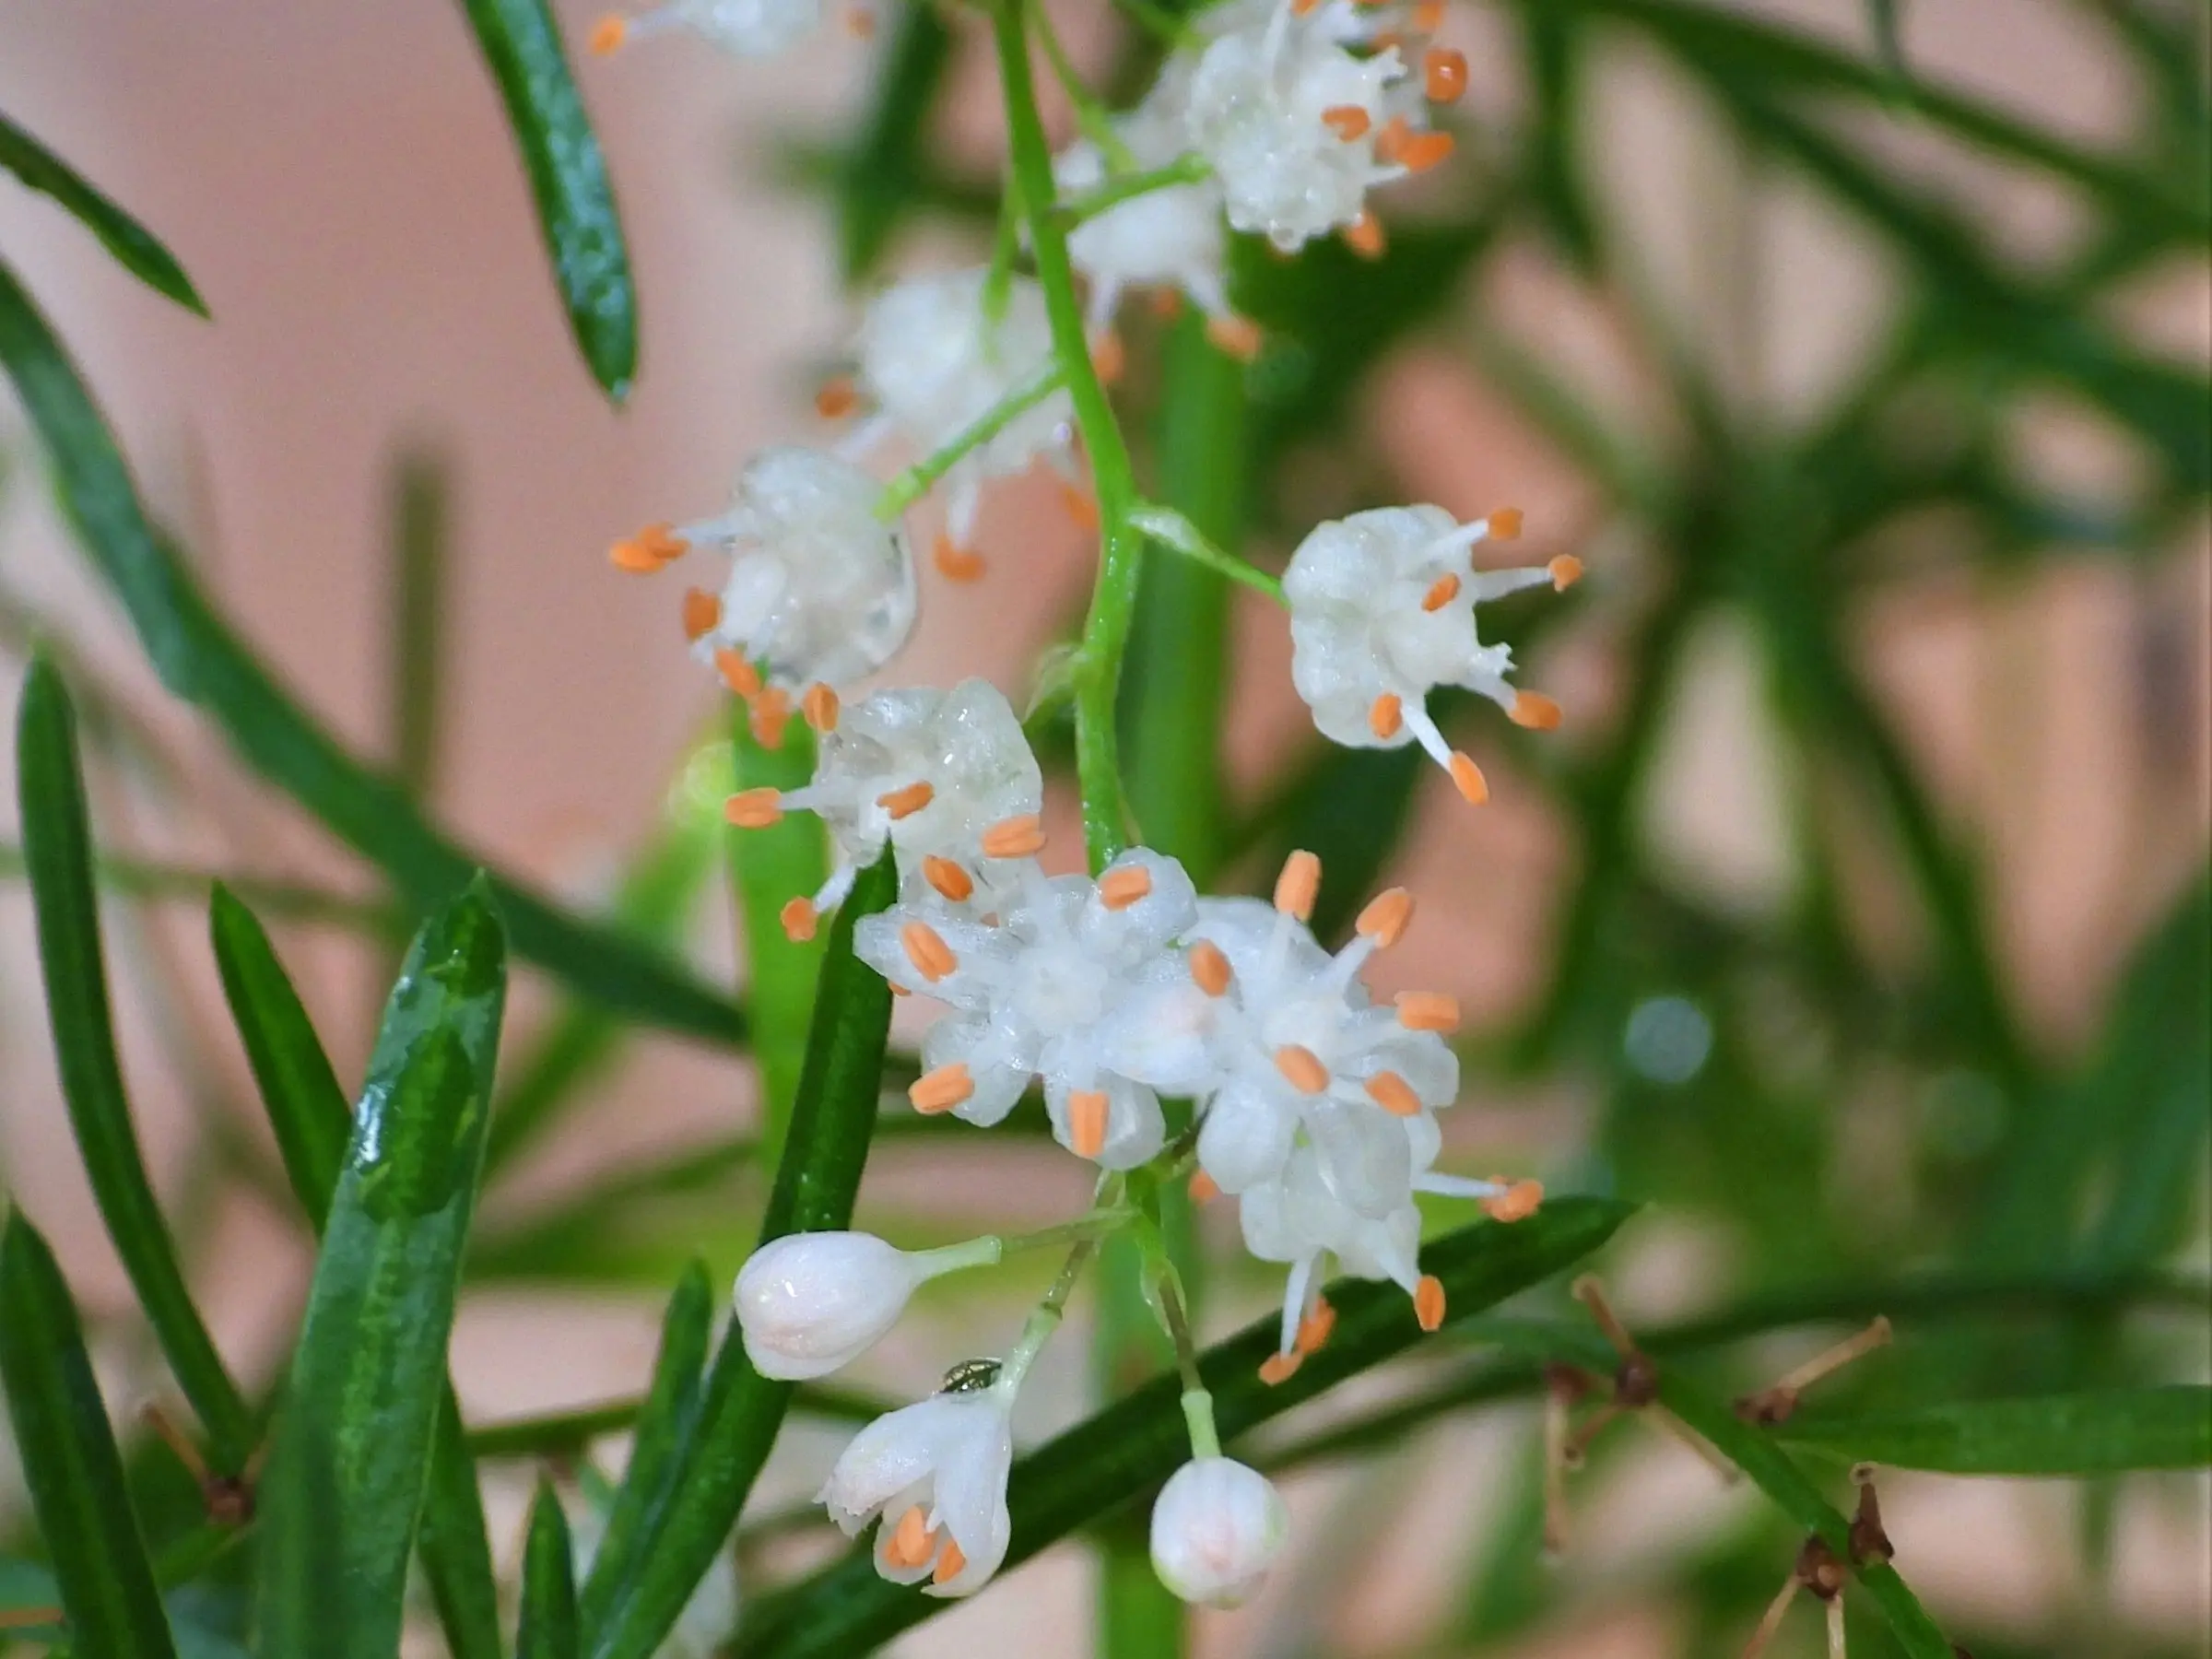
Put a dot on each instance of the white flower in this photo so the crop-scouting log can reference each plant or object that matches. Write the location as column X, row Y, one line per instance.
column 747, row 28
column 935, row 1473
column 703, row 1625
column 1172, row 237
column 1216, row 1528
column 820, row 589
column 935, row 362
column 810, row 1304
column 939, row 774
column 1382, row 611
column 1035, row 992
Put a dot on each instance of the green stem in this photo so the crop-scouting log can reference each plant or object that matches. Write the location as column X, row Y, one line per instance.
column 1090, row 114
column 917, row 480
column 1183, row 169
column 1045, row 1318
column 279, row 901
column 1178, row 535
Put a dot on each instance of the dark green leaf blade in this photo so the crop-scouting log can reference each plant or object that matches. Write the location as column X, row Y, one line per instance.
column 549, row 1628
column 1133, row 1445
column 200, row 659
column 70, row 1461
column 816, row 1185
column 354, row 1445
column 2104, row 1434
column 568, row 177
column 57, row 854
column 877, row 177
column 135, row 248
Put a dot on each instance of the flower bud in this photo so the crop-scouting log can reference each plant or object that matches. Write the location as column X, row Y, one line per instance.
column 1216, row 1528
column 812, row 1303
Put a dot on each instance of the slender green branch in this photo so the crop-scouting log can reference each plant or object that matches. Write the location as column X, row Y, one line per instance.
column 1090, row 114
column 1178, row 535
column 281, row 900
column 916, row 481
column 1183, row 169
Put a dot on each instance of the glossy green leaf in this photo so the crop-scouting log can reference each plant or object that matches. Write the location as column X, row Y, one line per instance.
column 352, row 1458
column 877, row 179
column 568, row 178
column 2108, row 1433
column 817, row 1181
column 549, row 1628
column 57, row 851
column 1135, row 1444
column 135, row 248
column 312, row 1124
column 70, row 1461
column 201, row 659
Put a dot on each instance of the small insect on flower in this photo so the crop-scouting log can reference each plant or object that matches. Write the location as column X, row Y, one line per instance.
column 1382, row 612
column 935, row 1473
column 811, row 1303
column 1216, row 1528
column 746, row 28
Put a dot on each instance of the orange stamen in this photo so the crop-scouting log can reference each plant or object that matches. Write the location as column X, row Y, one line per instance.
column 1387, row 916
column 1390, row 142
column 770, row 715
column 1425, row 150
column 1393, row 1094
column 608, row 34
column 701, row 612
column 909, row 1539
column 941, row 1089
column 799, row 918
column 1280, row 1368
column 1441, row 592
column 1204, row 1189
column 1428, row 17
column 1080, row 504
column 948, row 877
column 1566, row 571
column 926, row 950
column 753, row 808
column 1364, row 236
column 1426, row 1010
column 950, row 1564
column 1504, row 524
column 837, row 398
column 1238, row 336
column 1210, row 969
column 1517, row 1203
column 1467, row 778
column 1533, row 711
column 647, row 551
column 954, row 562
column 1021, row 836
column 1303, row 7
column 1302, row 1067
column 1086, row 1122
column 1298, row 886
column 1118, row 890
column 1429, row 1302
column 1444, row 75
column 820, row 707
column 904, row 803
column 859, row 23
column 737, row 674
column 1166, row 303
column 1107, row 356
column 1387, row 715
column 1346, row 121
column 1315, row 1329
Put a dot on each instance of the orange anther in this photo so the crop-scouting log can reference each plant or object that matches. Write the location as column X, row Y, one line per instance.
column 926, row 950
column 1387, row 916
column 737, row 674
column 909, row 1539
column 1166, row 303
column 1444, row 74
column 1118, row 890
column 1021, row 836
column 753, row 808
column 1082, row 505
column 1390, row 142
column 1238, row 336
column 1504, row 524
column 1429, row 1302
column 1303, row 7
column 1393, row 1094
column 1535, row 711
column 1467, row 778
column 628, row 555
column 1517, row 1203
column 647, row 551
column 1425, row 150
column 1280, row 1368
column 820, row 706
column 836, row 398
column 1086, row 1122
column 954, row 562
column 1302, row 1067
column 859, row 23
column 948, row 877
column 1346, row 121
column 1315, row 1329
column 1441, row 592
column 1364, row 236
column 769, row 714
column 904, row 803
column 1204, row 1189
column 1566, row 571
column 608, row 34
column 1428, row 17
column 1429, row 1010
column 799, row 918
column 951, row 1563
column 1107, row 356
column 1299, row 885
column 701, row 612
column 1210, row 969
column 1386, row 715
column 941, row 1089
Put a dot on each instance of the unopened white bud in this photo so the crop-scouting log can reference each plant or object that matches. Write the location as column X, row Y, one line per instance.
column 810, row 1304
column 1216, row 1528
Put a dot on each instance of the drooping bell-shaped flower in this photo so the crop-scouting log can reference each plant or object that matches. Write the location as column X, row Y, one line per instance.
column 1218, row 1526
column 935, row 1473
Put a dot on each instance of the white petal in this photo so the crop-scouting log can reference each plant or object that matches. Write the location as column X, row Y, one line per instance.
column 1216, row 1528
column 813, row 1302
column 1245, row 1136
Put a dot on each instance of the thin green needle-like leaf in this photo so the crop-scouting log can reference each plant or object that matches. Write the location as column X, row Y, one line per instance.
column 2107, row 1433
column 549, row 1628
column 57, row 850
column 200, row 659
column 568, row 177
column 352, row 1461
column 414, row 677
column 816, row 1185
column 70, row 1461
column 312, row 1124
column 877, row 178
column 135, row 248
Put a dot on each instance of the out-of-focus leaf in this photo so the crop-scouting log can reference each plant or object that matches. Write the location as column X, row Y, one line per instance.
column 1552, row 41
column 70, row 1463
column 419, row 535
column 352, row 1460
column 201, row 660
column 875, row 178
column 568, row 178
column 135, row 248
column 57, row 851
column 2107, row 1433
column 769, row 868
column 816, row 1183
column 549, row 1628
column 1135, row 1444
